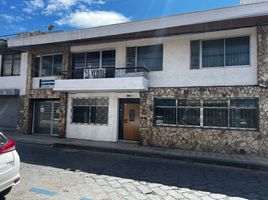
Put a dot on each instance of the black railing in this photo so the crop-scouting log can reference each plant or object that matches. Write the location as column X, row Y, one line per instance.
column 108, row 72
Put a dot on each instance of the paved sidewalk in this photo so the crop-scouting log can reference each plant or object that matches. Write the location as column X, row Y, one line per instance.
column 241, row 161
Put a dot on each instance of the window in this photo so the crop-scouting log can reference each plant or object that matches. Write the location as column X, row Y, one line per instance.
column 105, row 59
column 150, row 57
column 90, row 111
column 220, row 52
column 11, row 65
column 94, row 59
column 207, row 113
column 48, row 65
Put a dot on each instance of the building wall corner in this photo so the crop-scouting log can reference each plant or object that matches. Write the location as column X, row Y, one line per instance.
column 262, row 55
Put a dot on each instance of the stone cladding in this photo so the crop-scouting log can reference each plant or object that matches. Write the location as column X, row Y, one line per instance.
column 31, row 94
column 204, row 139
column 20, row 113
column 263, row 55
column 212, row 140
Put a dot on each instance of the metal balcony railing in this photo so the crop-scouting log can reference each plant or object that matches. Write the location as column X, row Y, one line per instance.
column 106, row 72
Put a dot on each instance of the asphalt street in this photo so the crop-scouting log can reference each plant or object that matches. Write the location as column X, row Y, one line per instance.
column 81, row 175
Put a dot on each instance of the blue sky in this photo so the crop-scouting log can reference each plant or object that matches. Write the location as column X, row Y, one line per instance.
column 29, row 15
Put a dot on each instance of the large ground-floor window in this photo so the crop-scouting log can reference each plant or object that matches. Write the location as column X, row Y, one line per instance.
column 90, row 110
column 207, row 113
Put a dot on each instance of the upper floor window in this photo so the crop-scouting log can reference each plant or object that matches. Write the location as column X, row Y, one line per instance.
column 150, row 57
column 94, row 59
column 48, row 65
column 220, row 52
column 11, row 65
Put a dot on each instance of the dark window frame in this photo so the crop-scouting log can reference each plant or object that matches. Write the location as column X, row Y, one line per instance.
column 133, row 61
column 196, row 53
column 12, row 67
column 100, row 105
column 39, row 64
column 101, row 59
column 220, row 106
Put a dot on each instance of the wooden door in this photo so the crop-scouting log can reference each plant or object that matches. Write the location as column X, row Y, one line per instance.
column 131, row 121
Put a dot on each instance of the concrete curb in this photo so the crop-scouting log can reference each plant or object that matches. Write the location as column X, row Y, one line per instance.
column 166, row 156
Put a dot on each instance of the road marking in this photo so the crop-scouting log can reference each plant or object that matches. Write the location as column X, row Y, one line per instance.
column 46, row 192
column 85, row 199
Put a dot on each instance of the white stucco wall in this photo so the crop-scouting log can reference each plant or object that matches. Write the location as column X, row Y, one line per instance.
column 15, row 82
column 251, row 1
column 176, row 62
column 132, row 84
column 97, row 132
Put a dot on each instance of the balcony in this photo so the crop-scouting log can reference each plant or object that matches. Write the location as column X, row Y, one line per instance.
column 131, row 79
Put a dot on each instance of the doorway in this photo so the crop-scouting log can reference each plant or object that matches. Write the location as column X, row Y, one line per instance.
column 129, row 119
column 46, row 117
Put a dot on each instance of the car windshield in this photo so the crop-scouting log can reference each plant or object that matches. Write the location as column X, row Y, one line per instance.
column 3, row 140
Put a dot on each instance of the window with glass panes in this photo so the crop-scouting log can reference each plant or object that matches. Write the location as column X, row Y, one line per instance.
column 97, row 59
column 11, row 65
column 220, row 52
column 48, row 65
column 150, row 57
column 90, row 110
column 207, row 113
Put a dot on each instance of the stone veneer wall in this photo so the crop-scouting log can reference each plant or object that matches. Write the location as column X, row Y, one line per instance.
column 45, row 93
column 262, row 55
column 213, row 140
column 203, row 139
column 20, row 113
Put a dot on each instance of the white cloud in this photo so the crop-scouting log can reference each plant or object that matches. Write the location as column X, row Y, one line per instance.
column 15, row 28
column 11, row 18
column 4, row 2
column 92, row 18
column 59, row 5
column 12, row 7
column 8, row 18
column 33, row 5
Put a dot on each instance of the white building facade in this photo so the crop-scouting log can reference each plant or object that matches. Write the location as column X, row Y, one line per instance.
column 192, row 81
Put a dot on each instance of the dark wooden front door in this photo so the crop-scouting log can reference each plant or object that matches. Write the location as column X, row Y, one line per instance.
column 131, row 121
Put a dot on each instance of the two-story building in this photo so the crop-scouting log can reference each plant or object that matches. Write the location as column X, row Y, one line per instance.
column 13, row 65
column 191, row 81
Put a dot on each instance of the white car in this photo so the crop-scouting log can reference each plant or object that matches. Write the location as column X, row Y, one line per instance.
column 9, row 165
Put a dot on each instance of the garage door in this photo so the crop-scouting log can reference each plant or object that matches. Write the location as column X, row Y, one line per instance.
column 8, row 112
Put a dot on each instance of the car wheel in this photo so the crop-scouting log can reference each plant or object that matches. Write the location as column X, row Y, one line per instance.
column 6, row 191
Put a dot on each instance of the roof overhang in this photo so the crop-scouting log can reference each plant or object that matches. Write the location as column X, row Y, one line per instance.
column 210, row 20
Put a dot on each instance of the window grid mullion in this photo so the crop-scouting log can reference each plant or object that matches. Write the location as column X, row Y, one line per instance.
column 200, row 55
column 136, row 56
column 52, row 70
column 229, row 104
column 201, row 113
column 85, row 60
column 12, row 65
column 177, row 110
column 224, row 52
column 100, row 59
